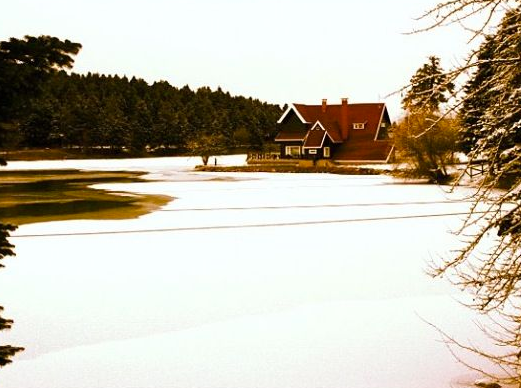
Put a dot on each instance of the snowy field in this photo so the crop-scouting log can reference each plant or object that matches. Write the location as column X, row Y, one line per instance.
column 242, row 281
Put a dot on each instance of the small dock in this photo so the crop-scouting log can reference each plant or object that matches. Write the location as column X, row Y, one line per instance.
column 476, row 167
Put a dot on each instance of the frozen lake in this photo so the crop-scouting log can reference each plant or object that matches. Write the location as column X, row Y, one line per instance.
column 242, row 281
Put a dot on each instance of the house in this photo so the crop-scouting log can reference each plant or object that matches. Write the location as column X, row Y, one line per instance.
column 354, row 133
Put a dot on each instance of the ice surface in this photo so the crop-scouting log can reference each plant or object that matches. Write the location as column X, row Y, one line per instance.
column 323, row 302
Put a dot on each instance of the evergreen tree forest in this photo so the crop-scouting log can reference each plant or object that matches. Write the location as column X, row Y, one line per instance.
column 117, row 115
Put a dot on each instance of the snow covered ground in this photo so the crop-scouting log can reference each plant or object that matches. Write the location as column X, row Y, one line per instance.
column 242, row 281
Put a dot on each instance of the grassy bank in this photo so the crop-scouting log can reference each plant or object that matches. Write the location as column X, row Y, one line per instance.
column 70, row 153
column 32, row 154
column 346, row 170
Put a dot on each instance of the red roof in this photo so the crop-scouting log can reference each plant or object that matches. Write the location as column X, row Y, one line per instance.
column 370, row 113
column 359, row 151
column 315, row 138
column 334, row 132
column 290, row 136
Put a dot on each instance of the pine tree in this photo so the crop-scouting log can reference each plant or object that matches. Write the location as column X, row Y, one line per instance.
column 495, row 96
column 428, row 88
column 25, row 64
column 478, row 96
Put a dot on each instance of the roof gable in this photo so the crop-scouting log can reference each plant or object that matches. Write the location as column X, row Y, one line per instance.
column 384, row 118
column 317, row 126
column 292, row 108
column 332, row 130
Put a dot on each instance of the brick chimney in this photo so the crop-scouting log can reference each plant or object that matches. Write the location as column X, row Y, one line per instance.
column 324, row 105
column 344, row 127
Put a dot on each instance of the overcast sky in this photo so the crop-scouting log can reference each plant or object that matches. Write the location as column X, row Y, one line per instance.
column 276, row 50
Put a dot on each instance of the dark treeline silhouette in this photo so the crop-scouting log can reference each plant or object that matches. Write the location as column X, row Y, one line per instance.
column 115, row 114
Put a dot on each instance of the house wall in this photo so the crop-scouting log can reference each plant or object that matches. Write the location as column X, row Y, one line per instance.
column 293, row 123
column 383, row 133
column 309, row 155
column 283, row 145
column 320, row 151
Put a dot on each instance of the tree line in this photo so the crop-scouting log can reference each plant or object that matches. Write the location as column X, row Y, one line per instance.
column 117, row 114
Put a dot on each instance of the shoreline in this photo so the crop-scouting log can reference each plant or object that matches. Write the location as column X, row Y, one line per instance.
column 37, row 154
column 32, row 196
column 281, row 168
column 77, row 154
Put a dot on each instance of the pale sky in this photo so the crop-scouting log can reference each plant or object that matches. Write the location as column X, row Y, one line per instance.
column 280, row 51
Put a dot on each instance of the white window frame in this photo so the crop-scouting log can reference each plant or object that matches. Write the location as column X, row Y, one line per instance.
column 289, row 151
column 358, row 125
column 327, row 152
column 312, row 152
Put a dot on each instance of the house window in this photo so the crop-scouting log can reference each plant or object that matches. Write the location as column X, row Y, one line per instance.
column 358, row 125
column 326, row 152
column 312, row 152
column 382, row 125
column 293, row 151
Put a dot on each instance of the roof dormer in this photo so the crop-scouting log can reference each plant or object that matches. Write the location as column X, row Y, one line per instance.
column 359, row 125
column 318, row 126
